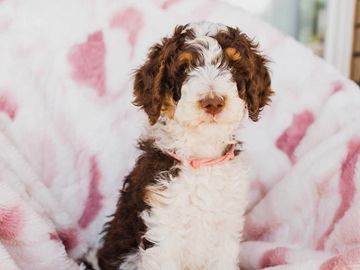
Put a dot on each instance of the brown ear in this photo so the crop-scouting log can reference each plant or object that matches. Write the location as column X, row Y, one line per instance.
column 147, row 89
column 158, row 82
column 258, row 86
column 248, row 68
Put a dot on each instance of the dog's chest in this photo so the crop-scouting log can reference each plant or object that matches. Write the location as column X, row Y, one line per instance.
column 197, row 210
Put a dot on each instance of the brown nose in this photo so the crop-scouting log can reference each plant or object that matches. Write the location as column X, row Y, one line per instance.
column 212, row 105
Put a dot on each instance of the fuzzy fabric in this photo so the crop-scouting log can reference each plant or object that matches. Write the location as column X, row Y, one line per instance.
column 68, row 134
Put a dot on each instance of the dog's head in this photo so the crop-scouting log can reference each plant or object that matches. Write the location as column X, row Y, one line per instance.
column 205, row 74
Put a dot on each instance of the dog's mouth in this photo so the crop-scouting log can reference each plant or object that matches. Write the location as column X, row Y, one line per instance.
column 203, row 119
column 210, row 120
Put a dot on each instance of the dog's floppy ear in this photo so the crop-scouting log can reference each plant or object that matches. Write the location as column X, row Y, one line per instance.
column 258, row 86
column 147, row 84
column 155, row 83
column 248, row 68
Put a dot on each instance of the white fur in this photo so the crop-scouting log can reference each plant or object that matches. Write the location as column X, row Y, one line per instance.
column 196, row 218
column 198, row 224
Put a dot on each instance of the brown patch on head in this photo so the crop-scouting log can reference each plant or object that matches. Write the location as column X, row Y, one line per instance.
column 186, row 57
column 248, row 68
column 163, row 73
column 232, row 54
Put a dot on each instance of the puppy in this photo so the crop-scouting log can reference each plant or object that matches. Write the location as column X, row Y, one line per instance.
column 182, row 206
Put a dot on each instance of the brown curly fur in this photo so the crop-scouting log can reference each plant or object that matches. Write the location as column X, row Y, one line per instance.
column 124, row 233
column 248, row 68
column 164, row 72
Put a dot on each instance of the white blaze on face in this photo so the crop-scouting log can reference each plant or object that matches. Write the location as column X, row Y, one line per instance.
column 209, row 79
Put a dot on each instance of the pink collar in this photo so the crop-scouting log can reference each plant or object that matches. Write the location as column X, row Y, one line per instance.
column 197, row 163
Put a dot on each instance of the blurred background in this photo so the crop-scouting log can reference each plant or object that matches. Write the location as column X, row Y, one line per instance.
column 331, row 28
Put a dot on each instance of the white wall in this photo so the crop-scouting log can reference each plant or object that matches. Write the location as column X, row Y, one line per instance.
column 339, row 34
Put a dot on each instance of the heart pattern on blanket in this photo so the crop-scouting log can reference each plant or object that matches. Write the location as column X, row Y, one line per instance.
column 66, row 76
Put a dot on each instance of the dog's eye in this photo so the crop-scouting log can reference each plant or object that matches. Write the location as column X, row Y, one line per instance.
column 176, row 95
column 183, row 69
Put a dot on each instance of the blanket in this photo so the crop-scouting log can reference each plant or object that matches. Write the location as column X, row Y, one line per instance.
column 68, row 135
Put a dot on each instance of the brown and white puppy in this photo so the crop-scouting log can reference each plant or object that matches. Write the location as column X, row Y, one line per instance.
column 196, row 86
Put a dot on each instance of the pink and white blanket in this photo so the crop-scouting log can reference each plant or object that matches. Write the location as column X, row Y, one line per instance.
column 68, row 134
